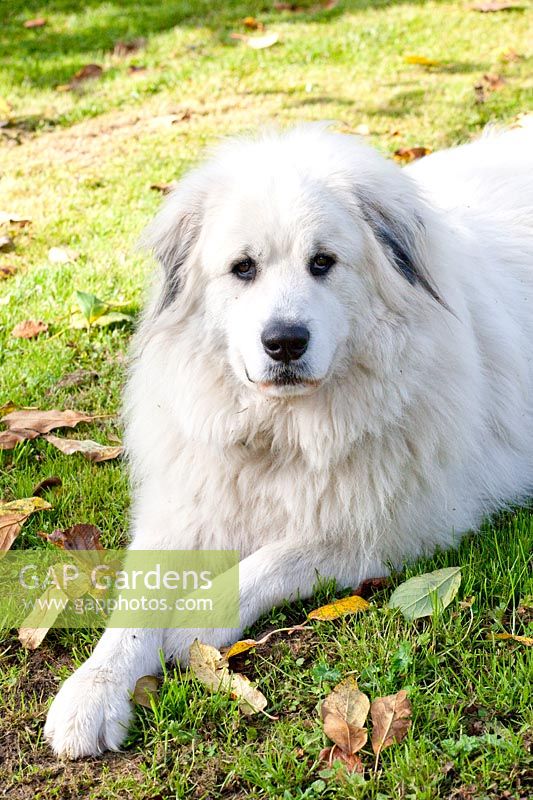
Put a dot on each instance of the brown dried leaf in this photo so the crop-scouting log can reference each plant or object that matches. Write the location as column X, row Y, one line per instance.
column 14, row 514
column 8, row 439
column 42, row 617
column 29, row 329
column 78, row 537
column 93, row 451
column 348, row 605
column 494, row 5
column 122, row 49
column 7, row 270
column 253, row 24
column 10, row 218
column 38, row 421
column 407, row 154
column 38, row 22
column 351, row 761
column 46, row 483
column 87, row 73
column 145, row 688
column 164, row 188
column 372, row 585
column 212, row 670
column 344, row 712
column 488, row 83
column 527, row 640
column 391, row 718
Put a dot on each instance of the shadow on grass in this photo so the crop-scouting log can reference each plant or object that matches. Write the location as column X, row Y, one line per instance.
column 77, row 33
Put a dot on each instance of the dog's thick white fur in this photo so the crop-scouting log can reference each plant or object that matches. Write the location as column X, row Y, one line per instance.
column 408, row 418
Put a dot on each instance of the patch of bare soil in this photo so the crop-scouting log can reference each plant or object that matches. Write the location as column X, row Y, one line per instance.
column 28, row 768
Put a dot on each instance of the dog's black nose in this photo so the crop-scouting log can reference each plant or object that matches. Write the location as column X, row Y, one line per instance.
column 284, row 342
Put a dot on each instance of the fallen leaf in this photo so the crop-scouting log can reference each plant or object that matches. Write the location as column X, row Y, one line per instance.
column 422, row 60
column 7, row 270
column 494, row 5
column 78, row 537
column 351, row 761
column 527, row 640
column 488, row 83
column 126, row 48
column 372, row 585
column 29, row 329
column 6, row 244
column 38, row 22
column 9, row 218
column 253, row 24
column 93, row 451
column 418, row 596
column 46, row 483
column 43, row 615
column 164, row 188
column 35, row 420
column 146, row 688
column 61, row 255
column 244, row 645
column 391, row 719
column 348, row 605
column 110, row 318
column 9, row 439
column 87, row 73
column 509, row 56
column 256, row 42
column 408, row 154
column 212, row 670
column 97, row 312
column 77, row 378
column 344, row 712
column 14, row 514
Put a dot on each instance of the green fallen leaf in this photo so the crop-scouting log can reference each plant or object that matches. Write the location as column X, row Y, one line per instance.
column 91, row 306
column 420, row 596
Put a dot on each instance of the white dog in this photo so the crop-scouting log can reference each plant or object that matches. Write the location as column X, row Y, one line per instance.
column 334, row 373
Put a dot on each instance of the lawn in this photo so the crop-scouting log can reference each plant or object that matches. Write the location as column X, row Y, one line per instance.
column 79, row 158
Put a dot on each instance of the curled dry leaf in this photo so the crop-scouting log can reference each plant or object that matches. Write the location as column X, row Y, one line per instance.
column 122, row 49
column 164, row 188
column 8, row 439
column 37, row 421
column 421, row 595
column 351, row 761
column 14, row 514
column 78, row 537
column 87, row 73
column 344, row 712
column 29, row 329
column 527, row 640
column 47, row 483
column 407, row 154
column 146, row 688
column 212, row 670
column 10, row 218
column 391, row 719
column 7, row 270
column 38, row 22
column 256, row 42
column 348, row 605
column 372, row 585
column 93, row 451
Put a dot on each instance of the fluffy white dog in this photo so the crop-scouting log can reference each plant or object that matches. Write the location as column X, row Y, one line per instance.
column 334, row 373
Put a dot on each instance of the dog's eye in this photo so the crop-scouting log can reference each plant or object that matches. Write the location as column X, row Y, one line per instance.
column 321, row 263
column 244, row 269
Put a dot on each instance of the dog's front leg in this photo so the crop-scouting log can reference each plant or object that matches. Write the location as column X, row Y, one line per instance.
column 277, row 572
column 92, row 710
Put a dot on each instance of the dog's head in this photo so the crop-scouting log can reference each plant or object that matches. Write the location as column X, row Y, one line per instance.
column 292, row 249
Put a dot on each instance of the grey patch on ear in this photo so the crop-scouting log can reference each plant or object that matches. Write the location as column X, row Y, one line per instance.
column 401, row 242
column 171, row 237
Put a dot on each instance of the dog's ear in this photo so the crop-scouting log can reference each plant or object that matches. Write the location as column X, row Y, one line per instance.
column 172, row 235
column 401, row 234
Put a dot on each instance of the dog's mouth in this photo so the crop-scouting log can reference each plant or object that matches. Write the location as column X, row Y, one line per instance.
column 286, row 380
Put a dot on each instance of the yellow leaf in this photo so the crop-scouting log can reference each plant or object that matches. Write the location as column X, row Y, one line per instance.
column 145, row 688
column 349, row 605
column 422, row 60
column 527, row 640
column 212, row 670
column 13, row 515
column 240, row 647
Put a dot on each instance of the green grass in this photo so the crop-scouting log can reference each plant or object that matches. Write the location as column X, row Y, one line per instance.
column 80, row 165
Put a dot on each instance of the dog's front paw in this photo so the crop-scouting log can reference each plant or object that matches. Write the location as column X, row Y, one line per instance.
column 90, row 714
